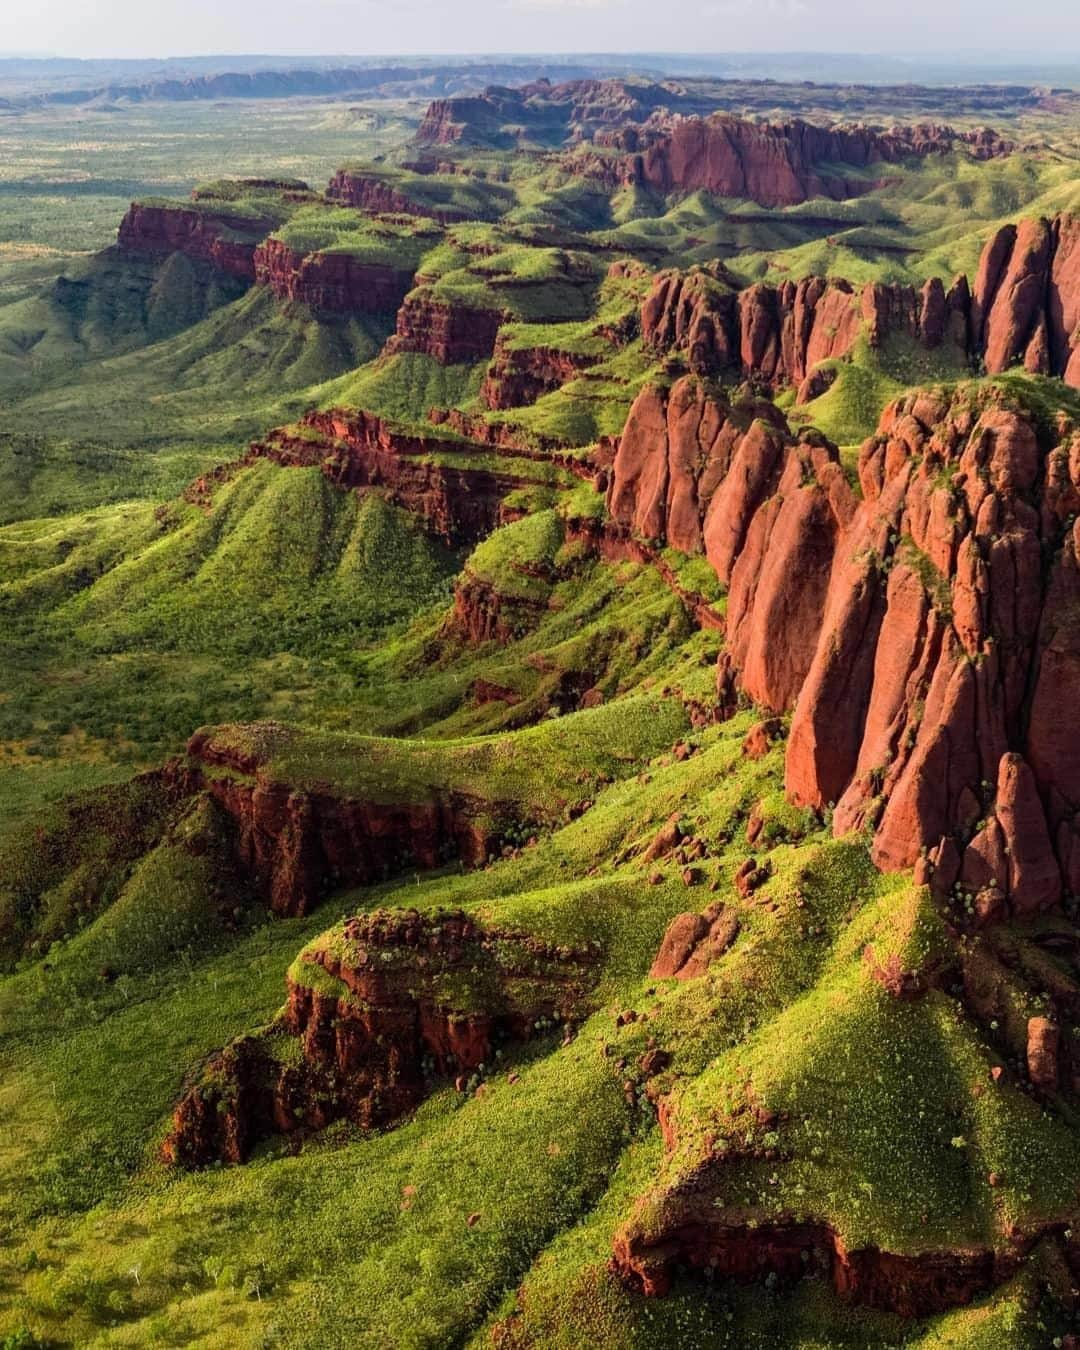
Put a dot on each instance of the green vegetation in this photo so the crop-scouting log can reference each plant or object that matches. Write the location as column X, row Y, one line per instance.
column 551, row 712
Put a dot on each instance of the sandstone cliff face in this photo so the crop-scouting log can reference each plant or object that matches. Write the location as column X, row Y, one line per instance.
column 732, row 483
column 421, row 996
column 293, row 845
column 924, row 635
column 453, row 334
column 1024, row 308
column 330, row 283
column 203, row 235
column 520, row 375
column 373, row 194
column 1026, row 300
column 932, row 711
column 776, row 335
column 358, row 450
column 782, row 164
column 790, row 1250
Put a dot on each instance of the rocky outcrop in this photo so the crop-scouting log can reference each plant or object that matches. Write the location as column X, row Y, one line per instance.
column 357, row 450
column 369, row 192
column 330, row 283
column 293, row 845
column 520, row 375
column 925, row 635
column 782, row 164
column 453, row 334
column 729, row 481
column 1022, row 309
column 910, row 1285
column 226, row 241
column 693, row 941
column 777, row 335
column 1026, row 300
column 949, row 588
column 481, row 613
column 395, row 1001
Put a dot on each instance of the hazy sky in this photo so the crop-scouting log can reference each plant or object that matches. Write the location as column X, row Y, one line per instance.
column 940, row 28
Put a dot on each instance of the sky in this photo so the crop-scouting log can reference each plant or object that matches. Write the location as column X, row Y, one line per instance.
column 159, row 28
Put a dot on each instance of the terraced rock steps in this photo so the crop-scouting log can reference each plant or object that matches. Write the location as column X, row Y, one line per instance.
column 381, row 1009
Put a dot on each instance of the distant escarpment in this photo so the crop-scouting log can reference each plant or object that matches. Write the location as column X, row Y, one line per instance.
column 457, row 487
column 1023, row 308
column 226, row 241
column 381, row 1009
column 784, row 163
column 331, row 283
column 923, row 630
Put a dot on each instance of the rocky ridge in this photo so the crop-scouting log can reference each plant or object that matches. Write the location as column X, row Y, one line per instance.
column 382, row 1010
column 928, row 640
column 1023, row 307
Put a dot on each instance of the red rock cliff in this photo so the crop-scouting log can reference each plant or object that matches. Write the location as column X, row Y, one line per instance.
column 521, row 375
column 782, row 164
column 225, row 242
column 330, row 283
column 776, row 335
column 358, row 450
column 925, row 635
column 371, row 193
column 453, row 334
column 1023, row 309
column 417, row 996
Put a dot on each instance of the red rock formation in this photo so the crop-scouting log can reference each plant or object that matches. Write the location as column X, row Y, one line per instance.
column 482, row 614
column 368, row 192
column 930, row 651
column 420, row 996
column 453, row 334
column 293, row 845
column 729, row 481
column 782, row 164
column 330, row 283
column 1026, row 304
column 693, row 941
column 227, row 242
column 1043, row 1042
column 358, row 450
column 924, row 635
column 697, row 1234
column 777, row 335
column 1024, row 309
column 520, row 375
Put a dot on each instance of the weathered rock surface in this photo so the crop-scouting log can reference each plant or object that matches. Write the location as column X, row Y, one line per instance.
column 520, row 375
column 411, row 997
column 782, row 164
column 368, row 192
column 359, row 451
column 924, row 635
column 730, row 481
column 693, row 941
column 330, row 283
column 293, row 845
column 453, row 334
column 1023, row 308
column 227, row 242
column 777, row 335
column 909, row 1285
